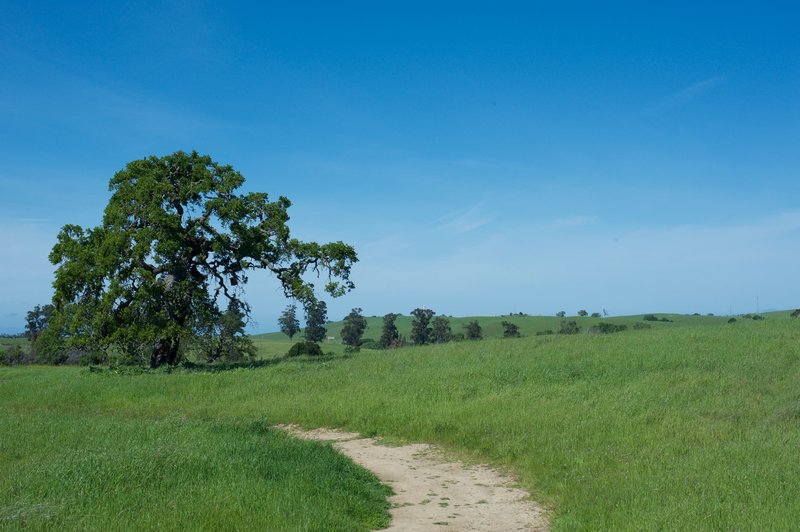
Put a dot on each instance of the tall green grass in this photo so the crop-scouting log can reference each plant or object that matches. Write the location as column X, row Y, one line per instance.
column 63, row 468
column 690, row 427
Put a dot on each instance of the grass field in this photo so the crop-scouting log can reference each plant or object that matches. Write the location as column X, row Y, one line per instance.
column 680, row 426
column 277, row 344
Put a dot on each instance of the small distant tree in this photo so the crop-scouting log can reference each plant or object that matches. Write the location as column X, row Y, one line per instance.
column 510, row 330
column 582, row 313
column 288, row 321
column 440, row 330
column 795, row 313
column 354, row 326
column 595, row 314
column 420, row 326
column 569, row 327
column 560, row 314
column 36, row 323
column 390, row 336
column 473, row 331
column 732, row 320
column 316, row 316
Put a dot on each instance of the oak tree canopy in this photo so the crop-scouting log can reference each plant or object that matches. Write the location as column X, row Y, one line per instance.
column 176, row 240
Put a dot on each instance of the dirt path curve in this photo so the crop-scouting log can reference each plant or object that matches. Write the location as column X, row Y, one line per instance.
column 433, row 494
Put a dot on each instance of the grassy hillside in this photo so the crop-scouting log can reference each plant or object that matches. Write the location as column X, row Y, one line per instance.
column 276, row 344
column 675, row 427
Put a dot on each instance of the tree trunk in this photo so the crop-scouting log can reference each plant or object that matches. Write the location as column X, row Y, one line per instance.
column 165, row 352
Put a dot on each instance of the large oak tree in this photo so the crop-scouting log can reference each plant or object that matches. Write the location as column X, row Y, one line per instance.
column 176, row 240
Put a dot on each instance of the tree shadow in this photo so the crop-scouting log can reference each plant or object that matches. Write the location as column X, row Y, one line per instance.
column 188, row 366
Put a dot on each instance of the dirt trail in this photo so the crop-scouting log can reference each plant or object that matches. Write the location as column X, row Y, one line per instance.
column 433, row 494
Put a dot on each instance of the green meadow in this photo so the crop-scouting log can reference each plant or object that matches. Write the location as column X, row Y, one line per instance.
column 692, row 424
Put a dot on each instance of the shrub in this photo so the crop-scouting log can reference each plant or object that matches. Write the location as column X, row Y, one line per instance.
column 595, row 314
column 607, row 328
column 510, row 330
column 796, row 313
column 473, row 331
column 544, row 332
column 732, row 320
column 582, row 313
column 560, row 314
column 653, row 317
column 370, row 343
column 305, row 348
column 569, row 327
column 13, row 355
column 757, row 317
column 92, row 358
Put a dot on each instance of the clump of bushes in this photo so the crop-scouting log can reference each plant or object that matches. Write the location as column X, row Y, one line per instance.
column 755, row 317
column 13, row 356
column 607, row 328
column 305, row 348
column 370, row 343
column 653, row 317
column 473, row 331
column 732, row 320
column 569, row 327
column 795, row 313
column 510, row 330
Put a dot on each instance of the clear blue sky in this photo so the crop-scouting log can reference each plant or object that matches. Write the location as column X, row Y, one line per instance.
column 483, row 158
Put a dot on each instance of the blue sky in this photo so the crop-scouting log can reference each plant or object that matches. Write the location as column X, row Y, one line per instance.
column 483, row 158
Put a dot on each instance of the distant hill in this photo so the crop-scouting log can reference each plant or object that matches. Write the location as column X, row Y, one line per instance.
column 528, row 325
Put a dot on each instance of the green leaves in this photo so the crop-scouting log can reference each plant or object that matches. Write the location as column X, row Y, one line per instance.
column 175, row 238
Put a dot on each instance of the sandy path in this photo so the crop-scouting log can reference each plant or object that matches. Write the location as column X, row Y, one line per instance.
column 433, row 494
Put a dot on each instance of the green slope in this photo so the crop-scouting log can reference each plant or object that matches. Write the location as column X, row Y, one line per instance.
column 673, row 428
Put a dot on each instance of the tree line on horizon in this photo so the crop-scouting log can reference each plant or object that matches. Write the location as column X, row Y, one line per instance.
column 426, row 328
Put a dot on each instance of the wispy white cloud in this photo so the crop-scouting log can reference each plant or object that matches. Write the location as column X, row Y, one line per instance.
column 688, row 94
column 464, row 221
column 50, row 95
